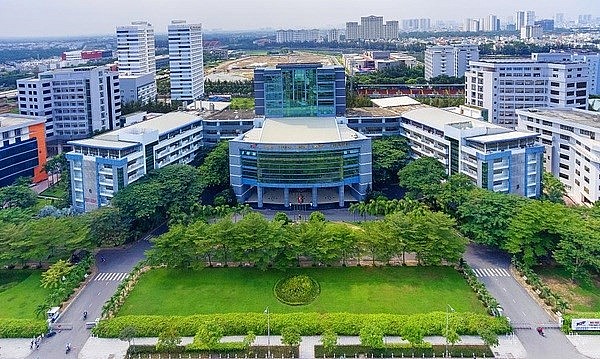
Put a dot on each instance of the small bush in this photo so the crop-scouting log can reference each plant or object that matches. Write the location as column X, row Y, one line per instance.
column 297, row 290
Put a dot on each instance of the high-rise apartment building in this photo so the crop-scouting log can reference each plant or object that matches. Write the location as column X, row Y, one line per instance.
column 352, row 31
column 137, row 58
column 75, row 102
column 491, row 23
column 186, row 62
column 520, row 20
column 372, row 27
column 531, row 32
column 529, row 18
column 391, row 30
column 452, row 60
column 501, row 86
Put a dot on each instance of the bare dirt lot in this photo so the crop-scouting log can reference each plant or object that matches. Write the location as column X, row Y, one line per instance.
column 242, row 68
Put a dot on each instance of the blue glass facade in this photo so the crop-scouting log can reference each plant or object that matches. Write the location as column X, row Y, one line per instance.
column 300, row 90
column 18, row 160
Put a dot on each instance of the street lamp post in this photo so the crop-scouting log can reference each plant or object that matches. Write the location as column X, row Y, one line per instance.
column 448, row 309
column 268, row 313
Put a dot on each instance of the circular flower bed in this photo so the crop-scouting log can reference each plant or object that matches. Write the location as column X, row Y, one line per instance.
column 297, row 290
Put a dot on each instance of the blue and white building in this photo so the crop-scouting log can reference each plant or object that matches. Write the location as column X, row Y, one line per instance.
column 104, row 164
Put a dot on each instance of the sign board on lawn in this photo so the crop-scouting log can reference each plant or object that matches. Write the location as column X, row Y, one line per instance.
column 585, row 324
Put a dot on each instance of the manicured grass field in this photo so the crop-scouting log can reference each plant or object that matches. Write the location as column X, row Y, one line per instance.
column 58, row 190
column 582, row 297
column 399, row 290
column 20, row 293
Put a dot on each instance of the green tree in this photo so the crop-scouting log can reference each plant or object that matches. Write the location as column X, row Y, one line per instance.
column 127, row 334
column 536, row 230
column 168, row 340
column 390, row 154
column 329, row 340
column 107, row 227
column 553, row 189
column 208, row 335
column 316, row 216
column 489, row 337
column 290, row 335
column 174, row 249
column 412, row 333
column 17, row 197
column 371, row 335
column 454, row 192
column 281, row 217
column 56, row 273
column 578, row 250
column 451, row 336
column 214, row 171
column 249, row 339
column 485, row 216
column 422, row 178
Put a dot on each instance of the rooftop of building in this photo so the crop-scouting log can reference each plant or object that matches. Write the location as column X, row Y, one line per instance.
column 581, row 117
column 10, row 120
column 505, row 136
column 163, row 124
column 231, row 115
column 395, row 101
column 301, row 130
column 370, row 112
column 438, row 118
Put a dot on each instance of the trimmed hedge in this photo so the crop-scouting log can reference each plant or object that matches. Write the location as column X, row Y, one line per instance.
column 405, row 351
column 225, row 348
column 307, row 323
column 22, row 328
column 566, row 327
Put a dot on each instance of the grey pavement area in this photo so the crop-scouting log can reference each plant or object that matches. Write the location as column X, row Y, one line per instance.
column 523, row 311
column 99, row 348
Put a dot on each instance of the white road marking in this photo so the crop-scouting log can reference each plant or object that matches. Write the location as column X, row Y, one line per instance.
column 110, row 276
column 491, row 272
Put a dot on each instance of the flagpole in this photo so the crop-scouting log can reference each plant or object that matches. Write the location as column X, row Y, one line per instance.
column 268, row 332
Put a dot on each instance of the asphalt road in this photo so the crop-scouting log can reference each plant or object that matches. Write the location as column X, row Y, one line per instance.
column 492, row 268
column 117, row 263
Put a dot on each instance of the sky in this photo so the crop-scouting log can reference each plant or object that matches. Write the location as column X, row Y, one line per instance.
column 31, row 18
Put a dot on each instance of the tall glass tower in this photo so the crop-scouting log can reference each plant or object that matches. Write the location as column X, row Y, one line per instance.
column 300, row 90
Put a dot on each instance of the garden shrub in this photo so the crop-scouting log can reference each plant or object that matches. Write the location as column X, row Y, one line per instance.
column 306, row 323
column 297, row 290
column 22, row 328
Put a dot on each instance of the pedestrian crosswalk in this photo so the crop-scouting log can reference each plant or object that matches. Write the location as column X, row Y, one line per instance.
column 491, row 272
column 110, row 277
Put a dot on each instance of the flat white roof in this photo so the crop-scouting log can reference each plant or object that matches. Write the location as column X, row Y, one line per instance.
column 577, row 116
column 301, row 130
column 163, row 124
column 12, row 120
column 395, row 101
column 506, row 136
column 438, row 118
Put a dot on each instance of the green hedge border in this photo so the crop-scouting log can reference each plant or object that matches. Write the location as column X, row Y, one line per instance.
column 22, row 328
column 313, row 281
column 566, row 326
column 405, row 351
column 307, row 323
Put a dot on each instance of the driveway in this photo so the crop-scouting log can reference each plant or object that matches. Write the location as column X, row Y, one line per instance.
column 492, row 268
column 110, row 272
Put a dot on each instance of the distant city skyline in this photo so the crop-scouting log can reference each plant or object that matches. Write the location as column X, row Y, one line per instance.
column 36, row 18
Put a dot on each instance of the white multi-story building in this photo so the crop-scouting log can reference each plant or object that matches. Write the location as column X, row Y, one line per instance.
column 352, row 31
column 376, row 60
column 452, row 60
column 372, row 27
column 186, row 62
column 500, row 86
column 531, row 32
column 491, row 23
column 591, row 60
column 493, row 157
column 104, row 164
column 75, row 102
column 572, row 141
column 391, row 30
column 302, row 35
column 137, row 58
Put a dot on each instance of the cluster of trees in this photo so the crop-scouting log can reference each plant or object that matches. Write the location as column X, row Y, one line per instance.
column 263, row 243
column 236, row 88
column 442, row 101
column 390, row 154
column 399, row 74
column 537, row 231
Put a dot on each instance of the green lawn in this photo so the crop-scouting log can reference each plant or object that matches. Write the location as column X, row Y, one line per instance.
column 400, row 290
column 583, row 298
column 20, row 293
column 58, row 190
column 242, row 103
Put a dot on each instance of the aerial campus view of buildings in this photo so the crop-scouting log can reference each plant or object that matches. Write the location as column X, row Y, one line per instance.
column 303, row 142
